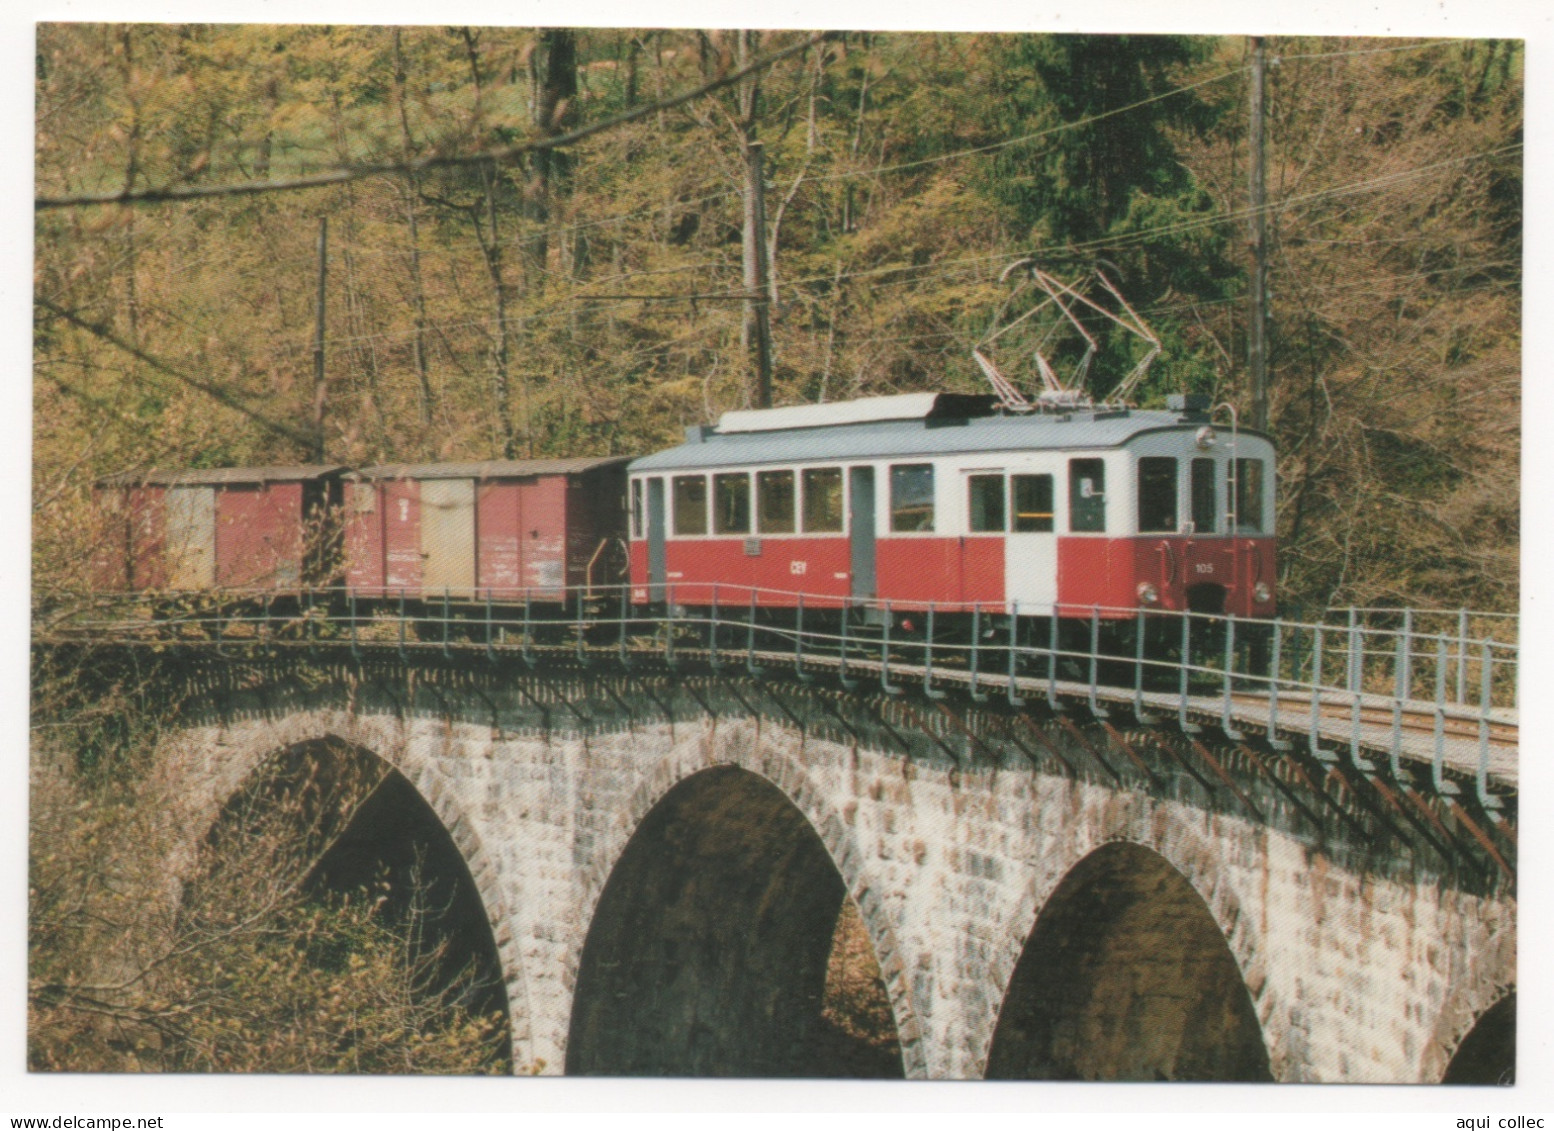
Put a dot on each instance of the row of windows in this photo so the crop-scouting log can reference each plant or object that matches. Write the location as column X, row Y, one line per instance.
column 1157, row 495
column 810, row 501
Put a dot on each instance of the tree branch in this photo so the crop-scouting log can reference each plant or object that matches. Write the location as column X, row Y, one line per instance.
column 398, row 168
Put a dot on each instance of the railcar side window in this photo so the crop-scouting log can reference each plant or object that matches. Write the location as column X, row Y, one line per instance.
column 774, row 502
column 823, row 500
column 636, row 508
column 986, row 503
column 1246, row 496
column 1203, row 496
column 690, row 504
column 731, row 504
column 1032, row 503
column 911, row 497
column 1086, row 495
column 1157, row 494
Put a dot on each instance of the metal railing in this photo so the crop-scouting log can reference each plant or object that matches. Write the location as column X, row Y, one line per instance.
column 1356, row 686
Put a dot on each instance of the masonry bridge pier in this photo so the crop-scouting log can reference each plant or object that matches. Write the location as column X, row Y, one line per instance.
column 1038, row 876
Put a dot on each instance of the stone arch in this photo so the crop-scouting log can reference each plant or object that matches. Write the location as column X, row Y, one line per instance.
column 1166, row 830
column 1479, row 995
column 765, row 753
column 223, row 758
column 1487, row 1054
column 1130, row 972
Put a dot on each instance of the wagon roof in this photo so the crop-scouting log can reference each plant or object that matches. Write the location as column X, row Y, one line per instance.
column 287, row 473
column 490, row 469
column 884, row 439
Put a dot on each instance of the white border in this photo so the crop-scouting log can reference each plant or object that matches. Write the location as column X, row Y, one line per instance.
column 456, row 1101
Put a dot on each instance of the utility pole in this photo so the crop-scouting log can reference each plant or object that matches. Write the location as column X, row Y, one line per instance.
column 756, row 335
column 1257, row 340
column 318, row 342
column 757, row 310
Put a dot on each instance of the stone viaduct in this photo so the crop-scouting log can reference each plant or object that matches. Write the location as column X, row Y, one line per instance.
column 662, row 858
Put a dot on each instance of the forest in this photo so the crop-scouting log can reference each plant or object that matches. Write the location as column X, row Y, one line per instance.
column 535, row 246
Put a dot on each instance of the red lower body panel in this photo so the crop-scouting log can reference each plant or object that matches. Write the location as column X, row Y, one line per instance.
column 1219, row 574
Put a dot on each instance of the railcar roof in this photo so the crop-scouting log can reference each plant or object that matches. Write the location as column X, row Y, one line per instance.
column 489, row 469
column 1079, row 429
column 210, row 476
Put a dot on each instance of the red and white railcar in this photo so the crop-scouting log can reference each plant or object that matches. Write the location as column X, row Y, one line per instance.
column 944, row 498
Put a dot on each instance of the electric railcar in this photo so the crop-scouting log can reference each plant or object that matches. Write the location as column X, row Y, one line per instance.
column 943, row 498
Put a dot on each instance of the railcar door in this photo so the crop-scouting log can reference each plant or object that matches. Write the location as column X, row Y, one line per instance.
column 448, row 536
column 191, row 537
column 658, row 556
column 860, row 504
column 1031, row 549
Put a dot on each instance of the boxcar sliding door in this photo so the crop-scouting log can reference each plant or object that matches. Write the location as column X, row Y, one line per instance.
column 448, row 536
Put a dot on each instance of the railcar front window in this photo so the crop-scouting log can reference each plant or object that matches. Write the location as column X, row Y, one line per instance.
column 636, row 508
column 1157, row 495
column 1204, row 519
column 1086, row 495
column 690, row 504
column 911, row 498
column 1032, row 503
column 731, row 504
column 986, row 503
column 1246, row 496
column 823, row 500
column 774, row 502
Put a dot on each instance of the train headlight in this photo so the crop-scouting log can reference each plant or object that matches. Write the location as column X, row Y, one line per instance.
column 1262, row 593
column 1148, row 594
column 1205, row 438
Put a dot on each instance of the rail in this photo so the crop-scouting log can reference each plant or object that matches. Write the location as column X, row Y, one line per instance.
column 1359, row 687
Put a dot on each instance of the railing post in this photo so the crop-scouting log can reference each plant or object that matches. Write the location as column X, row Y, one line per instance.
column 798, row 642
column 625, row 615
column 1052, row 659
column 447, row 614
column 885, row 683
column 1012, row 691
column 712, row 657
column 579, row 652
column 1230, row 663
column 669, row 627
column 750, row 665
column 1275, row 660
column 528, row 628
column 1462, row 657
column 356, row 653
column 841, row 661
column 1355, row 681
column 1438, row 763
column 490, row 629
column 1315, row 739
column 976, row 640
column 1407, row 678
column 402, row 619
column 1485, row 705
column 1399, row 693
column 1138, row 665
column 928, row 687
column 1095, row 655
column 1183, row 672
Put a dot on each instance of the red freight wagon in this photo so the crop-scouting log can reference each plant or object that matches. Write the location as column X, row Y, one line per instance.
column 232, row 528
column 501, row 529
